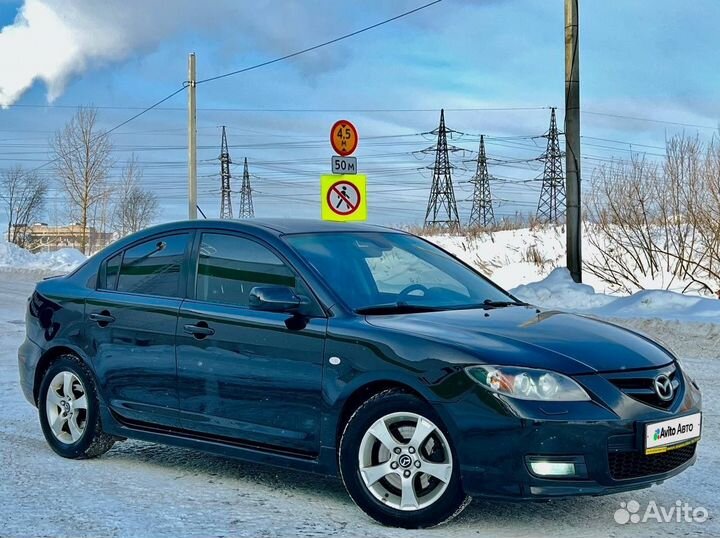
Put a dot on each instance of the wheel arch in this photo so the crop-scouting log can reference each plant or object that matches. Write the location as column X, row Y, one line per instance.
column 50, row 356
column 362, row 392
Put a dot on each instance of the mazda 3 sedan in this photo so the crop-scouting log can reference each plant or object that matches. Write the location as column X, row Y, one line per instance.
column 350, row 350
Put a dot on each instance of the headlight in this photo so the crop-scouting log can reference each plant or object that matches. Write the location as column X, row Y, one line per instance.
column 528, row 383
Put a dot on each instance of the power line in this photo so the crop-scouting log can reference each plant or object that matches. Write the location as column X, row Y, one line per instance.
column 320, row 45
column 104, row 133
column 291, row 110
column 652, row 120
column 148, row 109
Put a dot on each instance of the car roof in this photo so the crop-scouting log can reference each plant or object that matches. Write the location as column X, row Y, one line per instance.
column 277, row 226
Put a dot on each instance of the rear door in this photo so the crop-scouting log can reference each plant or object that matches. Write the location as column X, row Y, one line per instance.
column 131, row 321
column 244, row 374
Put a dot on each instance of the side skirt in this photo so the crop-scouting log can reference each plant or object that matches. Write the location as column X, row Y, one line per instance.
column 115, row 425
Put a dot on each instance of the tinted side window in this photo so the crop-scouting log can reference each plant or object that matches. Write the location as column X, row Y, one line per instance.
column 109, row 274
column 230, row 266
column 153, row 267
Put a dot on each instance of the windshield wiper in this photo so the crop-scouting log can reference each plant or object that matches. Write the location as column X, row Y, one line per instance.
column 396, row 308
column 502, row 304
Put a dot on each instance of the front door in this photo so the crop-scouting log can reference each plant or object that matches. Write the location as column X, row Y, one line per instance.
column 244, row 374
column 130, row 322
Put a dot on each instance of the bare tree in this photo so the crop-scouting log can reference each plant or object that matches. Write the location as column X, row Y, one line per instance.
column 658, row 223
column 83, row 162
column 23, row 197
column 136, row 207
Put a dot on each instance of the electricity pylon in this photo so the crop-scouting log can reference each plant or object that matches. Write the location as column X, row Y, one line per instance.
column 226, row 211
column 442, row 207
column 246, row 203
column 551, row 206
column 481, row 213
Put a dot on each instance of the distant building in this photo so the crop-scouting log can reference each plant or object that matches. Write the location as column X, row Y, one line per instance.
column 43, row 238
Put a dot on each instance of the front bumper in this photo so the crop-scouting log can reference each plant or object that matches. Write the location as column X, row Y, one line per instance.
column 601, row 445
column 493, row 445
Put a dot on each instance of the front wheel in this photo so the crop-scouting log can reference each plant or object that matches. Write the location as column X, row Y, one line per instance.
column 70, row 412
column 398, row 464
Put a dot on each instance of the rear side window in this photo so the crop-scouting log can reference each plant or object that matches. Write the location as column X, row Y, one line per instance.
column 230, row 266
column 153, row 267
column 109, row 273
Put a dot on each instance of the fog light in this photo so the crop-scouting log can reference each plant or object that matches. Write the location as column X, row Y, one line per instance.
column 552, row 468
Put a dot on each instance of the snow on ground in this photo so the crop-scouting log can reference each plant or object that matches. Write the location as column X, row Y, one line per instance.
column 140, row 489
column 15, row 258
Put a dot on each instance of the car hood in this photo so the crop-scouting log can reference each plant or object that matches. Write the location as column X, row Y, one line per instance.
column 524, row 336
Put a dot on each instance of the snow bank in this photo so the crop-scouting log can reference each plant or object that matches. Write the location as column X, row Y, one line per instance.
column 559, row 291
column 61, row 261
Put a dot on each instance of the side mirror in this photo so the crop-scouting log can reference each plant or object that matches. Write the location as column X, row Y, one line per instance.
column 275, row 299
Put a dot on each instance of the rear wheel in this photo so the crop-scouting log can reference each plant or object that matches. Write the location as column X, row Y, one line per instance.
column 69, row 410
column 398, row 464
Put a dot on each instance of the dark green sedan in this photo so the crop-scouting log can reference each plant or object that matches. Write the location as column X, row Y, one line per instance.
column 350, row 350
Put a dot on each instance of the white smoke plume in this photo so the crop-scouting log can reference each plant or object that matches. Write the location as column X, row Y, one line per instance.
column 51, row 41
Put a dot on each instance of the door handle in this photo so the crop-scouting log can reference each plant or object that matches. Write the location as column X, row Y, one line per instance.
column 102, row 318
column 200, row 330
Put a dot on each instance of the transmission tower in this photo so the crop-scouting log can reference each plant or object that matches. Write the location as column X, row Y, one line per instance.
column 552, row 197
column 226, row 211
column 481, row 213
column 442, row 208
column 246, row 203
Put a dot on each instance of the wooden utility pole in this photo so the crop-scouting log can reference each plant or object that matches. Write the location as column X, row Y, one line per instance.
column 572, row 140
column 192, row 139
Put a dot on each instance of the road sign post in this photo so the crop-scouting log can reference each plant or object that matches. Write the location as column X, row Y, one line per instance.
column 342, row 194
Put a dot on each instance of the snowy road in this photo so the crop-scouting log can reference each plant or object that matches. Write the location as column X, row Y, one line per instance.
column 139, row 489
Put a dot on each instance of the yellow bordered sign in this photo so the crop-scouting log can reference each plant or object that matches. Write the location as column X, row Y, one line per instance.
column 343, row 197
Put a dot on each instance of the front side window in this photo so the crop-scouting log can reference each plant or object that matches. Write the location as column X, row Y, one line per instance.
column 153, row 267
column 376, row 269
column 230, row 266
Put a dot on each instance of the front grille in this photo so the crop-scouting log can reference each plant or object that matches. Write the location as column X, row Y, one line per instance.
column 636, row 464
column 640, row 386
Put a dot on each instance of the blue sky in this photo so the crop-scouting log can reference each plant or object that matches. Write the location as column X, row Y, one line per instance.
column 655, row 60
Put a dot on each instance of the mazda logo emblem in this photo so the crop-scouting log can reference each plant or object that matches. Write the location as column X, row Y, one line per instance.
column 664, row 388
column 405, row 461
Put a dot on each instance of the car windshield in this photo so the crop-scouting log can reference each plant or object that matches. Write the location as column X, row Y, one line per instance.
column 385, row 272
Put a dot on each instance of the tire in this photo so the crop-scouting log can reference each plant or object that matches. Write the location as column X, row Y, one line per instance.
column 69, row 410
column 385, row 469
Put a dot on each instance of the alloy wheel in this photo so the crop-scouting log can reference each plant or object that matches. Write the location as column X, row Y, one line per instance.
column 405, row 461
column 66, row 407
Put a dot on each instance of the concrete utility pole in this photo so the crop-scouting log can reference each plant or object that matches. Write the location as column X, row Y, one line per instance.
column 572, row 140
column 192, row 139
